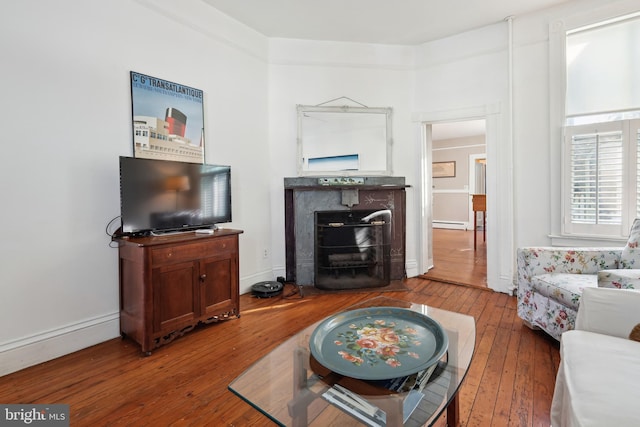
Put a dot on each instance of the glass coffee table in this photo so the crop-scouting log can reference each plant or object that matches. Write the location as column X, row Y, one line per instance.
column 292, row 388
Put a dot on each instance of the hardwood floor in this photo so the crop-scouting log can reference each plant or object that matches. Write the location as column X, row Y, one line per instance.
column 510, row 382
column 456, row 261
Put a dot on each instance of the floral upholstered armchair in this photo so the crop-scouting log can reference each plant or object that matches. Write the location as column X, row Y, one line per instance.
column 551, row 279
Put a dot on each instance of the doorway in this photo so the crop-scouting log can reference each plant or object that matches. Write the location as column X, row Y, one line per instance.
column 458, row 160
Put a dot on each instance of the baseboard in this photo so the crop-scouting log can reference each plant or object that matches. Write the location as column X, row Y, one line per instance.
column 452, row 225
column 43, row 347
column 411, row 267
column 247, row 282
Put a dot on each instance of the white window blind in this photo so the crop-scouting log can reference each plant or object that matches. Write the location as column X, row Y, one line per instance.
column 596, row 178
column 603, row 178
column 603, row 65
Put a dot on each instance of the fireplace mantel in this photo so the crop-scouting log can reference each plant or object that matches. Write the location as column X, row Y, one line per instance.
column 332, row 183
column 306, row 195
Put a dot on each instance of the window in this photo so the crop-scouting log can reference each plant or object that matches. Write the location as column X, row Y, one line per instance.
column 603, row 177
column 601, row 192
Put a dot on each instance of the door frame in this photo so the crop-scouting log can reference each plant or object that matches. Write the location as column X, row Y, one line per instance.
column 499, row 182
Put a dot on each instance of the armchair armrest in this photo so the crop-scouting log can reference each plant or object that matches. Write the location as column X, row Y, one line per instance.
column 609, row 311
column 533, row 261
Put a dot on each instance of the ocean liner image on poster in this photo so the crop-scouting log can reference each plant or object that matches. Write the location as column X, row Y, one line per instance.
column 168, row 120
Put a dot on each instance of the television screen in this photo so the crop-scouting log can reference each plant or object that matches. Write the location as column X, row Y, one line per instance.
column 161, row 195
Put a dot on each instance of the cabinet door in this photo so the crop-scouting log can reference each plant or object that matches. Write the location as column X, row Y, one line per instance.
column 175, row 297
column 219, row 285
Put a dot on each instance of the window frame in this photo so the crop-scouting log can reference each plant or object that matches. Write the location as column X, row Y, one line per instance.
column 630, row 178
column 560, row 233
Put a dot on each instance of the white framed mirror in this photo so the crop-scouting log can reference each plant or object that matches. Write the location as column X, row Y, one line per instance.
column 344, row 141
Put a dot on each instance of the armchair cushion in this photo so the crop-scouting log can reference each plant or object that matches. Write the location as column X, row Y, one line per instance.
column 564, row 288
column 597, row 381
column 625, row 278
column 612, row 312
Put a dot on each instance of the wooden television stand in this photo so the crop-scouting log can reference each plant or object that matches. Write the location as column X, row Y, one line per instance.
column 171, row 283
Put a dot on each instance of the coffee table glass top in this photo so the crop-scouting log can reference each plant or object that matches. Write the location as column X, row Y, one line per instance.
column 291, row 388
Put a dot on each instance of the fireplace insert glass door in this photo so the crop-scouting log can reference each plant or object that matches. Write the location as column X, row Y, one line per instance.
column 352, row 249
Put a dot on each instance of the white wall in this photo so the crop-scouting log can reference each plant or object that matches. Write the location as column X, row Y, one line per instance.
column 471, row 70
column 66, row 114
column 537, row 138
column 310, row 73
column 452, row 195
column 467, row 77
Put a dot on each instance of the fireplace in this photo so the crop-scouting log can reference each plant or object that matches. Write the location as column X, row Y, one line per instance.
column 352, row 249
column 306, row 198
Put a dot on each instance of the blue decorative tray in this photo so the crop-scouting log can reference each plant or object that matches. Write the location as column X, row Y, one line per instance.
column 378, row 343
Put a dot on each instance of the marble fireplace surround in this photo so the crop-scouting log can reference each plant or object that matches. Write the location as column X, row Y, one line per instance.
column 306, row 195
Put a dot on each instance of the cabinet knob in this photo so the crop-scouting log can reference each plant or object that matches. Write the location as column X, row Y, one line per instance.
column 203, row 277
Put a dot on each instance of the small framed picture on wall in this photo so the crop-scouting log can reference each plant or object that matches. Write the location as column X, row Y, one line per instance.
column 443, row 169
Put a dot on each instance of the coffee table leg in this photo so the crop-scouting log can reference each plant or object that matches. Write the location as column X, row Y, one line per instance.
column 393, row 408
column 298, row 407
column 453, row 412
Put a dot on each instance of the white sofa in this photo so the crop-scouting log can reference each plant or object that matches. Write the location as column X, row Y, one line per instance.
column 551, row 279
column 598, row 377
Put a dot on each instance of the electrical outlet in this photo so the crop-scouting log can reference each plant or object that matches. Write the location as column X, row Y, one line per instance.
column 265, row 253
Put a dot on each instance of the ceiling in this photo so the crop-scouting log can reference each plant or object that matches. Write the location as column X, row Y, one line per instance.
column 405, row 22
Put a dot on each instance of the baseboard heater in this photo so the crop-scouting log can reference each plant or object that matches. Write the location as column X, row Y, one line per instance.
column 454, row 225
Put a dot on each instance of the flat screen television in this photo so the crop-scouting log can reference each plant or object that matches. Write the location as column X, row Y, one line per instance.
column 165, row 196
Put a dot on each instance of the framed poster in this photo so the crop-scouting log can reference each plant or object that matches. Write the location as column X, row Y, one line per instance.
column 168, row 120
column 443, row 169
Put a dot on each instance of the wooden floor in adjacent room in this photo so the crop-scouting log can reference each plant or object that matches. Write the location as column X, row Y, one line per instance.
column 456, row 261
column 510, row 382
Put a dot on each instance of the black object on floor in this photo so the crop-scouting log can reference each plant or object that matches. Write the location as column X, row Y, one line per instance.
column 266, row 289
